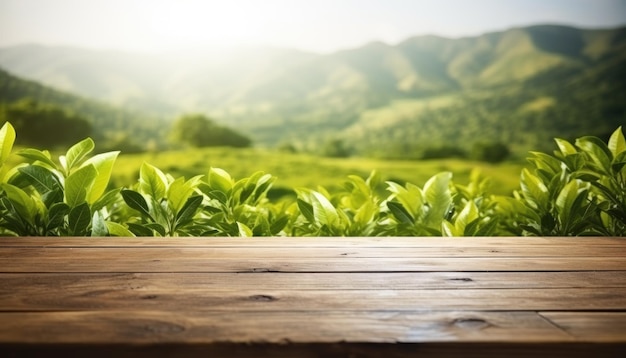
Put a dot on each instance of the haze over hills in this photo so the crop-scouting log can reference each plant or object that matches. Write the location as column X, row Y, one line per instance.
column 520, row 86
column 112, row 127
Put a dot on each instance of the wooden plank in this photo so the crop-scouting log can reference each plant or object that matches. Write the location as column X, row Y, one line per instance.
column 35, row 284
column 70, row 298
column 510, row 250
column 591, row 326
column 191, row 327
column 203, row 260
column 297, row 334
column 300, row 242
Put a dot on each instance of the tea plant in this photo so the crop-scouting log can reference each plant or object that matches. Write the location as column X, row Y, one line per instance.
column 69, row 198
column 580, row 189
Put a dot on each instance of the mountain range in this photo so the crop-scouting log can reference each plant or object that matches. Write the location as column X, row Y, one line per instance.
column 518, row 86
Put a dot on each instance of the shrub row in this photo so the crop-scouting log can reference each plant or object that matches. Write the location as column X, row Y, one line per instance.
column 580, row 189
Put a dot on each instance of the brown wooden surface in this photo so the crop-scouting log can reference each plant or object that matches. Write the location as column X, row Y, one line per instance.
column 313, row 297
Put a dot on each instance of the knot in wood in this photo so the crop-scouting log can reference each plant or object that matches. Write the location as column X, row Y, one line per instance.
column 263, row 298
column 471, row 323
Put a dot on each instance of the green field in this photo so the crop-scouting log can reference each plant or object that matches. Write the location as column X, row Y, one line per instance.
column 300, row 170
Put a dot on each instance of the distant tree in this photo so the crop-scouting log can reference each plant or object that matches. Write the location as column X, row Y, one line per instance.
column 492, row 152
column 198, row 130
column 335, row 148
column 44, row 125
column 287, row 148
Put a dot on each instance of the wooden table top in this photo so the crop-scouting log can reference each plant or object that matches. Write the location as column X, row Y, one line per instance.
column 313, row 297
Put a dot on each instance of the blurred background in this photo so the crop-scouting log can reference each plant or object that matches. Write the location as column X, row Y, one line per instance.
column 312, row 91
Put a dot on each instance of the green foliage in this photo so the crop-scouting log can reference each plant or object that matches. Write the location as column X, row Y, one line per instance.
column 335, row 148
column 109, row 125
column 200, row 131
column 44, row 198
column 492, row 152
column 578, row 190
column 36, row 122
column 423, row 95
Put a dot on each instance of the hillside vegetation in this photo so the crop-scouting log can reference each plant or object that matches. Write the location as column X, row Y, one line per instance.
column 111, row 126
column 579, row 190
column 427, row 96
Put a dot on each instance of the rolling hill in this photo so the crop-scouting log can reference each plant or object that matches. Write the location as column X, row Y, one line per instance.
column 108, row 122
column 521, row 86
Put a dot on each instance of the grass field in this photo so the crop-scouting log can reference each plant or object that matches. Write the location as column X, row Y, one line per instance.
column 300, row 170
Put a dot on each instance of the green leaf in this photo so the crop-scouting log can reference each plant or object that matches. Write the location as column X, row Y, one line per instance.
column 108, row 199
column 78, row 184
column 180, row 190
column 619, row 162
column 575, row 161
column 136, row 201
column 56, row 215
column 245, row 193
column 360, row 184
column 37, row 155
column 79, row 219
column 487, row 228
column 104, row 165
column 565, row 200
column 77, row 153
column 597, row 151
column 152, row 181
column 42, row 179
column 119, row 230
column 262, row 186
column 448, row 229
column 467, row 215
column 565, row 147
column 411, row 197
column 438, row 196
column 98, row 225
column 399, row 212
column 534, row 190
column 617, row 143
column 325, row 213
column 279, row 224
column 306, row 209
column 189, row 210
column 139, row 230
column 366, row 213
column 545, row 163
column 21, row 201
column 160, row 229
column 52, row 197
column 244, row 231
column 220, row 180
column 7, row 138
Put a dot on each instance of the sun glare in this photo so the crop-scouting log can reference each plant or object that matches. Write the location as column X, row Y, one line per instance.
column 193, row 23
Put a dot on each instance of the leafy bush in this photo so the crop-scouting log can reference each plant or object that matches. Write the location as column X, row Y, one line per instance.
column 491, row 152
column 578, row 190
column 198, row 130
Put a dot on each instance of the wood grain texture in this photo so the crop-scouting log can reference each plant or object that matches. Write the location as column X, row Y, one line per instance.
column 204, row 260
column 591, row 326
column 160, row 326
column 207, row 298
column 39, row 283
column 313, row 297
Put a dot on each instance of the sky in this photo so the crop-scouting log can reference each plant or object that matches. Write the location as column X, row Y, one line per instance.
column 314, row 25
